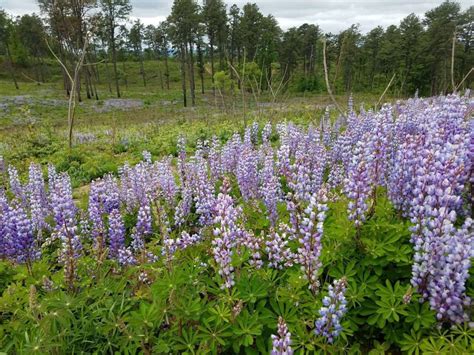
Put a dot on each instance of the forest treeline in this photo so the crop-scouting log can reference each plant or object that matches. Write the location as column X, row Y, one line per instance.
column 239, row 49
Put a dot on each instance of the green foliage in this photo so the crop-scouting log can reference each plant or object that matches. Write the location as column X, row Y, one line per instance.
column 183, row 309
column 222, row 81
column 313, row 84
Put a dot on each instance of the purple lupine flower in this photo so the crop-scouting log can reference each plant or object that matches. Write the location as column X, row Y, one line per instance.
column 52, row 175
column 378, row 145
column 403, row 172
column 142, row 229
column 181, row 158
column 139, row 184
column 429, row 169
column 437, row 196
column 171, row 246
column 184, row 205
column 96, row 215
column 126, row 257
column 326, row 128
column 111, row 194
column 21, row 245
column 253, row 244
column 3, row 167
column 357, row 187
column 104, row 197
column 165, row 230
column 350, row 103
column 186, row 240
column 336, row 175
column 166, row 181
column 278, row 251
column 282, row 342
column 471, row 165
column 341, row 153
column 37, row 199
column 116, row 233
column 310, row 234
column 3, row 173
column 330, row 314
column 16, row 186
column 65, row 217
column 266, row 133
column 214, row 160
column 247, row 172
column 225, row 233
column 447, row 288
column 294, row 210
column 251, row 133
column 203, row 190
column 230, row 154
column 270, row 188
column 283, row 160
column 146, row 156
column 306, row 173
column 284, row 152
column 4, row 211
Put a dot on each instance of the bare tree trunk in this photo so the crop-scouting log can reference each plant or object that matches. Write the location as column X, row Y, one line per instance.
column 211, row 54
column 93, row 76
column 183, row 73
column 125, row 75
column 88, row 85
column 114, row 60
column 328, row 86
column 453, row 49
column 77, row 83
column 10, row 65
column 201, row 66
column 107, row 72
column 338, row 62
column 95, row 67
column 167, row 72
column 73, row 79
column 41, row 66
column 231, row 63
column 160, row 73
column 304, row 66
column 221, row 55
column 94, row 88
column 191, row 75
column 66, row 84
column 142, row 70
column 239, row 56
column 37, row 70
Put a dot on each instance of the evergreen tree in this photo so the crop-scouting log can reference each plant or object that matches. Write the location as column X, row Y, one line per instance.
column 114, row 12
column 135, row 37
column 6, row 34
column 215, row 20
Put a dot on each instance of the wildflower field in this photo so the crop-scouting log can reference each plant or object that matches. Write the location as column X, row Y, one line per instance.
column 351, row 235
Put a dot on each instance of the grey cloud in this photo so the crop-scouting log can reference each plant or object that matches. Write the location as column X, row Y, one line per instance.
column 330, row 15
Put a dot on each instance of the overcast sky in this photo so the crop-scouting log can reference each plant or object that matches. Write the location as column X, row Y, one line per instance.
column 330, row 15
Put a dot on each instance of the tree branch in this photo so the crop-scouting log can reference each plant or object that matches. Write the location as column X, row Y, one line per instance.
column 328, row 86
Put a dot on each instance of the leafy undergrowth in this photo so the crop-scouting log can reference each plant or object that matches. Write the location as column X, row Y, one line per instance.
column 183, row 309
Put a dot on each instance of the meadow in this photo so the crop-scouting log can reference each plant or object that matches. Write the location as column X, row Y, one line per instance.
column 110, row 131
column 280, row 227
